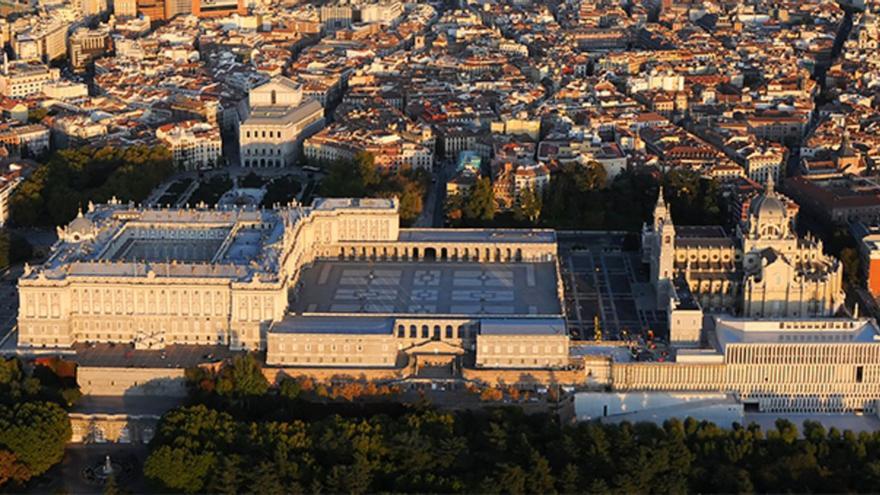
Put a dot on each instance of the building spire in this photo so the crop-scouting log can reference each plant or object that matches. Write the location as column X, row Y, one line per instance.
column 770, row 190
column 661, row 211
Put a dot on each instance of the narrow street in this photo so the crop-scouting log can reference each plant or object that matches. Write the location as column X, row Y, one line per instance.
column 432, row 209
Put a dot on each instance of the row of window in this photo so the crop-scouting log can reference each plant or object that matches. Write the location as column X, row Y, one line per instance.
column 323, row 347
column 511, row 348
column 520, row 361
column 264, row 162
column 259, row 134
column 330, row 360
column 274, row 151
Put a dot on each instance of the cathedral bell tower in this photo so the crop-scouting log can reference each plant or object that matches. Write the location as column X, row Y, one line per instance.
column 662, row 245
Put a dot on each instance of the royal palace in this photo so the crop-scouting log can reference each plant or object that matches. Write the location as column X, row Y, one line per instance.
column 334, row 284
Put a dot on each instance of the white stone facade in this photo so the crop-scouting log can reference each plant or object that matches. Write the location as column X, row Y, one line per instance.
column 194, row 145
column 278, row 121
column 766, row 270
column 24, row 79
column 155, row 277
column 780, row 365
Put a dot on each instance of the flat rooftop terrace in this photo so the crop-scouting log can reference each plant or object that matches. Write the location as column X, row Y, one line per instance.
column 443, row 288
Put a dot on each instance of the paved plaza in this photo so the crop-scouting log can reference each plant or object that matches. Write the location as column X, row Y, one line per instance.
column 428, row 288
column 603, row 280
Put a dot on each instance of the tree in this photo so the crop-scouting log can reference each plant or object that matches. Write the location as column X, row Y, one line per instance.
column 568, row 481
column 265, row 480
column 37, row 114
column 454, row 209
column 226, row 481
column 540, row 476
column 361, row 177
column 480, row 203
column 251, row 180
column 242, row 378
column 512, row 479
column 343, row 179
column 411, row 201
column 529, row 206
column 11, row 470
column 36, row 433
column 491, row 394
column 281, row 191
column 693, row 199
column 13, row 248
column 10, row 372
column 71, row 178
column 179, row 468
column 111, row 487
column 574, row 198
column 289, row 388
column 366, row 166
column 851, row 265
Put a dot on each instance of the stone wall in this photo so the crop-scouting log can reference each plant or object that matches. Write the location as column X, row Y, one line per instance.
column 525, row 377
column 274, row 375
column 113, row 428
column 131, row 381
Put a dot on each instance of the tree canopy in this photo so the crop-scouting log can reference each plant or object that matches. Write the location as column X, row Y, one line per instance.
column 34, row 427
column 13, row 248
column 501, row 450
column 72, row 177
column 581, row 197
column 361, row 178
column 32, row 437
column 289, row 444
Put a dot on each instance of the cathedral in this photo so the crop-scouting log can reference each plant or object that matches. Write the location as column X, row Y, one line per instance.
column 764, row 270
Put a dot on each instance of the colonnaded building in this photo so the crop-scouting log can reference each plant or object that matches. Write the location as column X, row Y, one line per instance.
column 337, row 284
column 338, row 289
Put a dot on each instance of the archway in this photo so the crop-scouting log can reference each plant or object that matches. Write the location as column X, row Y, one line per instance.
column 430, row 254
column 444, row 255
column 415, row 253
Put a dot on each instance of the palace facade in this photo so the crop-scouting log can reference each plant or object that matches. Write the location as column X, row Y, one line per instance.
column 234, row 277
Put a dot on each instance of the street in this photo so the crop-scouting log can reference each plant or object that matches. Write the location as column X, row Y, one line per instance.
column 432, row 209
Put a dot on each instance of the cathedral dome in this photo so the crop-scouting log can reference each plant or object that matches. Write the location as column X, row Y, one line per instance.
column 769, row 207
column 768, row 214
